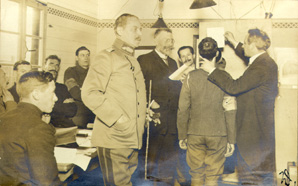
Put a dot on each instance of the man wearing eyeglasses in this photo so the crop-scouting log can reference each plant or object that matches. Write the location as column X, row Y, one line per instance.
column 157, row 66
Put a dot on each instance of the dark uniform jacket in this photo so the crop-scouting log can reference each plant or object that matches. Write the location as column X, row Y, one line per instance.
column 62, row 113
column 164, row 91
column 256, row 90
column 27, row 148
column 202, row 109
column 74, row 78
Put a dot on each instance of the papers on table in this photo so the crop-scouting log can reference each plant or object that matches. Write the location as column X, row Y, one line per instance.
column 79, row 156
column 84, row 141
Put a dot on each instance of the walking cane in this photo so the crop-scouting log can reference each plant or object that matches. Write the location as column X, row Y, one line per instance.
column 148, row 127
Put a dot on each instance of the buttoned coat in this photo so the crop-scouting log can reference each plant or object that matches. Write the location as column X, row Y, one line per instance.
column 256, row 90
column 114, row 87
column 164, row 91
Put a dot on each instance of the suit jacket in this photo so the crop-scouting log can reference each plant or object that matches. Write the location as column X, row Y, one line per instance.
column 201, row 109
column 63, row 112
column 164, row 91
column 256, row 90
column 115, row 86
column 27, row 148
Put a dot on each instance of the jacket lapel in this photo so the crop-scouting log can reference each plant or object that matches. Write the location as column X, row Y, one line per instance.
column 159, row 61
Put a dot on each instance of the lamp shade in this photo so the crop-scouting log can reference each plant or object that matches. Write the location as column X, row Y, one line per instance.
column 159, row 23
column 202, row 4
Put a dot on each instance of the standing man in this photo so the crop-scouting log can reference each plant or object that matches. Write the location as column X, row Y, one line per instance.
column 74, row 78
column 26, row 142
column 186, row 57
column 256, row 90
column 206, row 122
column 114, row 90
column 65, row 108
column 157, row 66
column 19, row 68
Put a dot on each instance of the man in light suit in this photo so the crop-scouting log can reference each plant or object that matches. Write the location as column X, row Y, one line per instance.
column 256, row 90
column 157, row 66
column 114, row 90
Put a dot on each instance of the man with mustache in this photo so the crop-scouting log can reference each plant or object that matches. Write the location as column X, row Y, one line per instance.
column 73, row 79
column 186, row 57
column 157, row 66
column 65, row 108
column 114, row 90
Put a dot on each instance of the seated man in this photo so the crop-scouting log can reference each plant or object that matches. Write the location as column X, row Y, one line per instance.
column 19, row 68
column 65, row 108
column 6, row 100
column 26, row 141
column 206, row 122
column 73, row 79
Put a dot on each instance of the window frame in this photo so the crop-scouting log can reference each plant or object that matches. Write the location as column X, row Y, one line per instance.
column 22, row 33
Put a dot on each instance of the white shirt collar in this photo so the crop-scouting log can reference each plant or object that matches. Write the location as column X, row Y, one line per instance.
column 253, row 58
column 161, row 55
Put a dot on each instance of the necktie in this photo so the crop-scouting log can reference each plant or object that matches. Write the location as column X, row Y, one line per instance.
column 166, row 61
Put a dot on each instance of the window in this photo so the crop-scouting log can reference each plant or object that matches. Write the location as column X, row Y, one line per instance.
column 22, row 31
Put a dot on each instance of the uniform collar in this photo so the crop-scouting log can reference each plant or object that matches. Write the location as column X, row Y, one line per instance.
column 124, row 47
column 81, row 69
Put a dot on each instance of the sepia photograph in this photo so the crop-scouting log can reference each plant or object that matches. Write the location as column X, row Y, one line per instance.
column 148, row 92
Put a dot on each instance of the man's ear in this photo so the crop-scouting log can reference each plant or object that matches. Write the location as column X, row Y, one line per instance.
column 119, row 30
column 35, row 94
column 217, row 53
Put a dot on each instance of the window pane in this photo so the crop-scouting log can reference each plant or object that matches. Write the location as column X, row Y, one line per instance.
column 8, row 47
column 9, row 15
column 34, row 50
column 34, row 21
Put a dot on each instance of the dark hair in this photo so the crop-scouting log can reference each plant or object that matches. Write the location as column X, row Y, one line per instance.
column 53, row 57
column 81, row 48
column 121, row 21
column 260, row 38
column 32, row 80
column 208, row 48
column 157, row 31
column 22, row 62
column 185, row 47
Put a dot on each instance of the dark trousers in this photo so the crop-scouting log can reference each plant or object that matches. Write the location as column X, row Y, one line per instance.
column 117, row 165
column 205, row 157
column 162, row 156
column 249, row 176
column 183, row 175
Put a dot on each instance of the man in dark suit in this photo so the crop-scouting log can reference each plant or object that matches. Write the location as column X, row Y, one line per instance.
column 26, row 141
column 157, row 66
column 65, row 108
column 256, row 90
